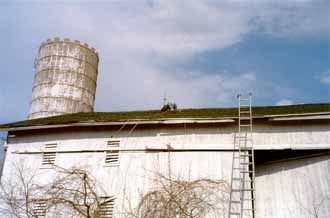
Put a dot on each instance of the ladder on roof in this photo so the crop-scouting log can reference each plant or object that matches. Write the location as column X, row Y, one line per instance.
column 242, row 193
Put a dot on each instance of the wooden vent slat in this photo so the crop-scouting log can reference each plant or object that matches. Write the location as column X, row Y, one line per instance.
column 49, row 155
column 107, row 207
column 112, row 153
column 39, row 208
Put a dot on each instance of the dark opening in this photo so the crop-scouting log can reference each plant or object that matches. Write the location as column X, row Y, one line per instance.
column 265, row 156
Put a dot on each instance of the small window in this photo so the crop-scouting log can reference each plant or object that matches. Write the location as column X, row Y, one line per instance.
column 106, row 207
column 112, row 153
column 39, row 208
column 49, row 155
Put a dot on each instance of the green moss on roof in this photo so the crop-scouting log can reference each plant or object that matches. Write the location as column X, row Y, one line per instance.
column 157, row 114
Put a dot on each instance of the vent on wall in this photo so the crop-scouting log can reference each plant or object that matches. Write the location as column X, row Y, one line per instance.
column 112, row 153
column 106, row 207
column 39, row 208
column 49, row 155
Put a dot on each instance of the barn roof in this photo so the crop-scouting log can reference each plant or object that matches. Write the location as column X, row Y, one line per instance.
column 156, row 115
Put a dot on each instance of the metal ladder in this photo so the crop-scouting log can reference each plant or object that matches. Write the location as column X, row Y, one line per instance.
column 242, row 193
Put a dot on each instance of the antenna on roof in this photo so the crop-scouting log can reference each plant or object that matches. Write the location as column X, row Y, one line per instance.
column 168, row 105
column 164, row 99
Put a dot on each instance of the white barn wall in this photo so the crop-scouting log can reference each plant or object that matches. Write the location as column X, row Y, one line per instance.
column 295, row 189
column 133, row 176
column 216, row 137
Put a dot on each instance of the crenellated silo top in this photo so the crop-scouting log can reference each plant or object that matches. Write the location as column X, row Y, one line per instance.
column 89, row 54
column 66, row 40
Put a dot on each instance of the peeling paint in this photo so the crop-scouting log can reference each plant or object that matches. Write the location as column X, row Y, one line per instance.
column 65, row 79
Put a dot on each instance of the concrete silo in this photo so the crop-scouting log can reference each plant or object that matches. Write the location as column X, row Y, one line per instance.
column 65, row 79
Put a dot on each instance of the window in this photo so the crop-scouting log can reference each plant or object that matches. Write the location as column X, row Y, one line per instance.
column 106, row 207
column 112, row 153
column 39, row 208
column 49, row 155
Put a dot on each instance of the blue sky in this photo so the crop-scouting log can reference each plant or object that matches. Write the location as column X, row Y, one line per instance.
column 200, row 53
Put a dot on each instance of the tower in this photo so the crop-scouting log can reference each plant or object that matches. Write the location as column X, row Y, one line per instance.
column 65, row 78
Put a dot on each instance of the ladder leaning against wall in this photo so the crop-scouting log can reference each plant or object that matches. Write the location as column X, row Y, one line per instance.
column 242, row 193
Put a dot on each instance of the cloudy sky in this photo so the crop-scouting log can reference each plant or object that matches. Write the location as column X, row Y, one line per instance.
column 200, row 53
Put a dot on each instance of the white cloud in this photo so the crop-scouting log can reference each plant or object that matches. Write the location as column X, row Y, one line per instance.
column 142, row 87
column 135, row 37
column 325, row 77
column 284, row 102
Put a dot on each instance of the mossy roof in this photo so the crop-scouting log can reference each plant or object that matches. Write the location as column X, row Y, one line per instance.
column 212, row 113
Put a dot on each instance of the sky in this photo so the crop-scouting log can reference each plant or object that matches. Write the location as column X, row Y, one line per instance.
column 200, row 53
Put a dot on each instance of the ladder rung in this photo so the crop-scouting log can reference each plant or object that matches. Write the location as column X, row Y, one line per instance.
column 245, row 140
column 235, row 202
column 244, row 99
column 245, row 122
column 244, row 118
column 248, row 171
column 248, row 209
column 248, row 189
column 240, row 137
column 244, row 125
column 248, row 199
column 248, row 180
column 237, row 179
column 244, row 163
column 246, row 155
column 241, row 156
column 235, row 214
column 239, row 190
column 244, row 112
column 246, row 148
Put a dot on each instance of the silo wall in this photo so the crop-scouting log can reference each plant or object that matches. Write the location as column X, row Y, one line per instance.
column 65, row 79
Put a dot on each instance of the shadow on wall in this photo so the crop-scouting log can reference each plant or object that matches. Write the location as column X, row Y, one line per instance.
column 287, row 160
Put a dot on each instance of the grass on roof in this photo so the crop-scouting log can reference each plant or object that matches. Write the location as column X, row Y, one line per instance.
column 157, row 114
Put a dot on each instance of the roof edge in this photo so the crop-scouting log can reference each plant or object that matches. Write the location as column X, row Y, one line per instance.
column 166, row 121
column 125, row 122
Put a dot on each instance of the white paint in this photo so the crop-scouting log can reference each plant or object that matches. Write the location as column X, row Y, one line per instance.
column 295, row 189
column 65, row 80
column 136, row 169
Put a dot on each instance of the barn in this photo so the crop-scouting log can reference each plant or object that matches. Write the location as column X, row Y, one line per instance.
column 292, row 145
column 125, row 152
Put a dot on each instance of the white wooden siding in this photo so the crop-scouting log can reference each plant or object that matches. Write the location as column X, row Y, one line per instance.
column 137, row 168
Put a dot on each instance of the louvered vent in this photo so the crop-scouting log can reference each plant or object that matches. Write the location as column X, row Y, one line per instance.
column 112, row 153
column 39, row 208
column 49, row 155
column 106, row 208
